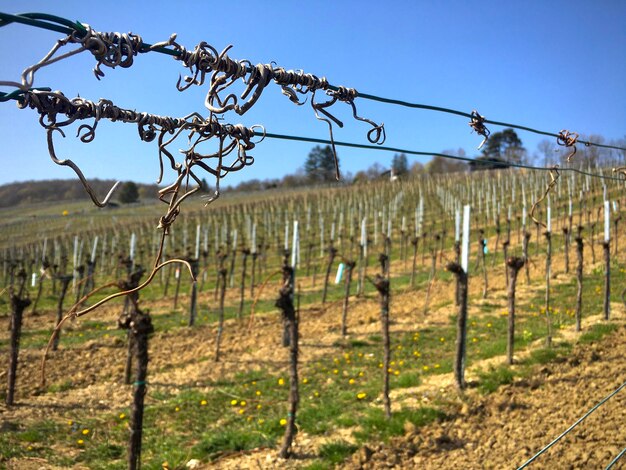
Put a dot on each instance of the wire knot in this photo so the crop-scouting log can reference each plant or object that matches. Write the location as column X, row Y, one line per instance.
column 568, row 139
column 477, row 123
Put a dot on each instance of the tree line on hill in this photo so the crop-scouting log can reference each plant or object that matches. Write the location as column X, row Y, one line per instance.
column 501, row 149
column 29, row 192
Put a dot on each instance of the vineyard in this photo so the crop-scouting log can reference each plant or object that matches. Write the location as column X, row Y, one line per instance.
column 218, row 375
column 460, row 320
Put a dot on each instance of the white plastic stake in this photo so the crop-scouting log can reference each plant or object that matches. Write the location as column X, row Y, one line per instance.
column 133, row 240
column 93, row 249
column 364, row 236
column 339, row 275
column 457, row 225
column 294, row 245
column 286, row 235
column 197, row 242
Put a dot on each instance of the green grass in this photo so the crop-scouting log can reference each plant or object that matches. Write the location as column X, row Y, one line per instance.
column 377, row 427
column 597, row 332
column 336, row 452
column 493, row 378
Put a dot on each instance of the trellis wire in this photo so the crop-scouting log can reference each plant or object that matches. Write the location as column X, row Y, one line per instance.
column 58, row 24
column 568, row 430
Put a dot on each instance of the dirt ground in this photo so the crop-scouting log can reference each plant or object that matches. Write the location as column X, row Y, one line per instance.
column 500, row 430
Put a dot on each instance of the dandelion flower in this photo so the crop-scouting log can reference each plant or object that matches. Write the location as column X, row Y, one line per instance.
column 283, row 422
column 80, row 442
column 259, row 406
column 122, row 415
column 85, row 432
column 442, row 339
column 396, row 372
column 361, row 374
column 261, row 421
column 361, row 395
column 70, row 422
column 203, row 403
column 351, row 381
column 281, row 381
column 177, row 409
column 234, row 402
column 258, row 393
column 305, row 381
column 241, row 411
column 425, row 368
column 243, row 403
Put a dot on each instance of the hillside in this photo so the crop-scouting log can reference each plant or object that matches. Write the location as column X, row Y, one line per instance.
column 28, row 192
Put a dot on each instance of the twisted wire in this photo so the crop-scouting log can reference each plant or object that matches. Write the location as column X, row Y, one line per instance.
column 477, row 123
column 52, row 104
column 568, row 139
column 282, row 77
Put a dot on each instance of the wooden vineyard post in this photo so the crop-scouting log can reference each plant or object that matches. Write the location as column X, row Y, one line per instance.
column 332, row 252
column 525, row 255
column 548, row 236
column 460, row 271
column 414, row 242
column 140, row 326
column 220, row 322
column 344, row 312
column 382, row 286
column 482, row 243
column 505, row 251
column 130, row 304
column 495, row 248
column 616, row 221
column 593, row 237
column 244, row 263
column 65, row 283
column 606, row 246
column 579, row 278
column 566, row 242
column 290, row 317
column 45, row 266
column 457, row 251
column 193, row 306
column 18, row 304
column 514, row 264
column 221, row 259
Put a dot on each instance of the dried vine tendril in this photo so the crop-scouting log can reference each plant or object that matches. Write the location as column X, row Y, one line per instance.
column 568, row 139
column 51, row 105
column 477, row 123
column 554, row 176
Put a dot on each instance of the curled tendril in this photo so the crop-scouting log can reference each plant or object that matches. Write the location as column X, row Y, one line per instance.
column 477, row 123
column 79, row 173
column 568, row 139
column 554, row 176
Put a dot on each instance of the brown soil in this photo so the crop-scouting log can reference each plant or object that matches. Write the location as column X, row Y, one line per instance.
column 497, row 431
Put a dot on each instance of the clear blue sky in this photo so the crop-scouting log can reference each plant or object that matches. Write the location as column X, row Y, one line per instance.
column 547, row 64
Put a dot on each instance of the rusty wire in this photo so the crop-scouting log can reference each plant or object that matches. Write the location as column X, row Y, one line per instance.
column 477, row 123
column 226, row 71
column 51, row 105
column 568, row 139
column 554, row 176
